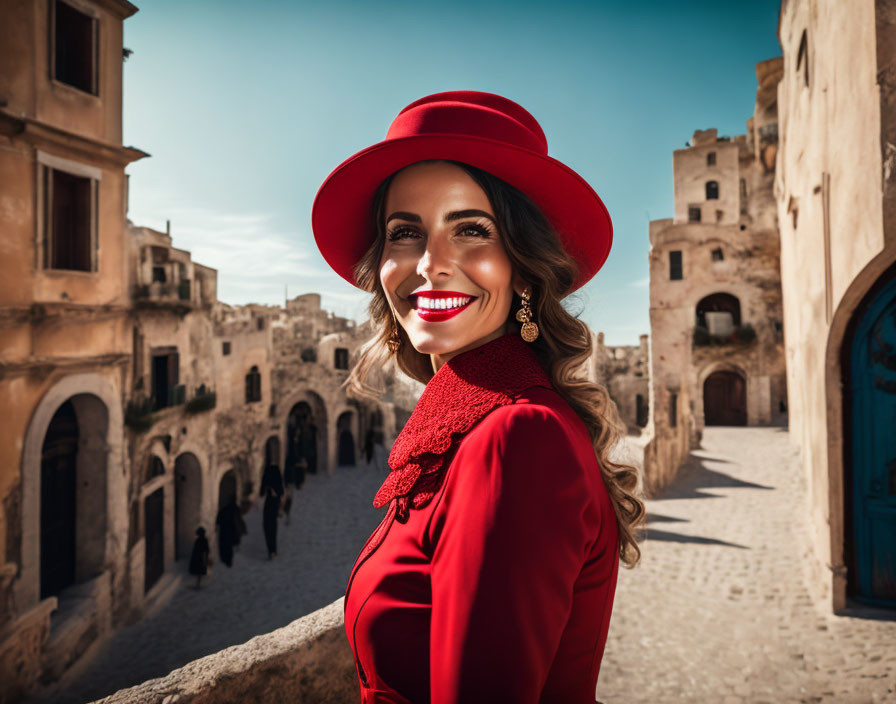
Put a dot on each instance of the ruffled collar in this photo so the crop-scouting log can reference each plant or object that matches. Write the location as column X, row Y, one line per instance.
column 460, row 393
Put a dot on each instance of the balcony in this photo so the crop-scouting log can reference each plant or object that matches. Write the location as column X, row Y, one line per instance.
column 142, row 411
column 739, row 335
column 161, row 295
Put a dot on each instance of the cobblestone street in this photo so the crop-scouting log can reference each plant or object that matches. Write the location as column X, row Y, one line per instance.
column 719, row 610
column 331, row 517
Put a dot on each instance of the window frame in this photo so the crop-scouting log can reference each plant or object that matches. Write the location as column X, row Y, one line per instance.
column 94, row 49
column 46, row 164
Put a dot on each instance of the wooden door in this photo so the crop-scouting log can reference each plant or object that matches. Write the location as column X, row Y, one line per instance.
column 724, row 399
column 872, row 386
column 154, row 516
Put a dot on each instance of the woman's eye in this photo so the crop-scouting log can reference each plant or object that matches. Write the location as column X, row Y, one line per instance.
column 400, row 233
column 475, row 231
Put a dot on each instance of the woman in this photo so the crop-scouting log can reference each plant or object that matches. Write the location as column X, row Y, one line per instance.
column 491, row 577
column 199, row 558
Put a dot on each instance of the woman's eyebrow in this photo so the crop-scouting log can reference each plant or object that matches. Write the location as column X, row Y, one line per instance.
column 453, row 215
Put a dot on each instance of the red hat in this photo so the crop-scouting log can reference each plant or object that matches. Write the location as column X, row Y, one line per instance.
column 485, row 130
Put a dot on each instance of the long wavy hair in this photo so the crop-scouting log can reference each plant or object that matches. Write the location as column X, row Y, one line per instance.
column 562, row 347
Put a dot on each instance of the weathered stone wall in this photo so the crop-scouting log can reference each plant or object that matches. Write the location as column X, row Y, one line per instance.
column 306, row 662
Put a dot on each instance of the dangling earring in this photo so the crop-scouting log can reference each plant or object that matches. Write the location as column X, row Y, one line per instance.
column 394, row 341
column 529, row 331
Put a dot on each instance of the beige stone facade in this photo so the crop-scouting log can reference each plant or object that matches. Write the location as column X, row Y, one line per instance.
column 64, row 341
column 717, row 355
column 836, row 196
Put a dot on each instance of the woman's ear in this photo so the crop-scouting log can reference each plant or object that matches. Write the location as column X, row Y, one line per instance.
column 518, row 285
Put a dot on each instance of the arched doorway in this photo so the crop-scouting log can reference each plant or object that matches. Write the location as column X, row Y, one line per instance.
column 154, row 537
column 346, row 446
column 271, row 452
column 73, row 494
column 305, row 434
column 724, row 399
column 871, row 400
column 187, row 502
column 58, row 507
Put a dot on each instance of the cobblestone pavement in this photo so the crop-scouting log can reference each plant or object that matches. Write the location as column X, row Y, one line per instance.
column 331, row 517
column 720, row 609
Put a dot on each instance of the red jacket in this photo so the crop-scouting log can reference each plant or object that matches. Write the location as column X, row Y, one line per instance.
column 492, row 576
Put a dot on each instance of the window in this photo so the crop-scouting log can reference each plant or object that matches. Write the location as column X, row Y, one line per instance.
column 165, row 371
column 675, row 265
column 340, row 360
column 673, row 410
column 259, row 323
column 253, row 385
column 75, row 47
column 693, row 214
column 641, row 410
column 712, row 190
column 69, row 227
column 158, row 274
column 225, row 348
column 711, row 159
column 719, row 215
column 743, row 188
column 802, row 58
column 717, row 254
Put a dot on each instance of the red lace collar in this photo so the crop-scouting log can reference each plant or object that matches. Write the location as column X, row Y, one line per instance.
column 462, row 391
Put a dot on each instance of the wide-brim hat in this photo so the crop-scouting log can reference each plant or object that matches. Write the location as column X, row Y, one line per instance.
column 484, row 130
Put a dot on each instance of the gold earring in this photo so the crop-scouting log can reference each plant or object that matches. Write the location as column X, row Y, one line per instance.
column 394, row 341
column 529, row 331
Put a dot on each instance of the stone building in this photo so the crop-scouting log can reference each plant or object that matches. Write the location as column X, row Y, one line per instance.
column 170, row 431
column 835, row 187
column 715, row 291
column 65, row 345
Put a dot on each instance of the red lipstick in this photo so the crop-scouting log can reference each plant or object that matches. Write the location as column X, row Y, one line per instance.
column 429, row 306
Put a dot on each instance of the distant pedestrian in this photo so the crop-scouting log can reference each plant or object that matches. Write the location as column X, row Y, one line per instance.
column 199, row 558
column 368, row 447
column 289, row 475
column 228, row 526
column 272, row 490
column 301, row 469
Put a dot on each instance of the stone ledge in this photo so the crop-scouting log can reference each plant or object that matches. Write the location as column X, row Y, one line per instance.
column 306, row 662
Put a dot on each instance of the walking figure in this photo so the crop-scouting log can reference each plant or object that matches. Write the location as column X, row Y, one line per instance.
column 272, row 490
column 228, row 521
column 199, row 558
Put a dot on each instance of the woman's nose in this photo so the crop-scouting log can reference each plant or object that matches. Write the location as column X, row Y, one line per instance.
column 435, row 260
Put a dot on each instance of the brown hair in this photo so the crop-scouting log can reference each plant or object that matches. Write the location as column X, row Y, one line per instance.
column 563, row 345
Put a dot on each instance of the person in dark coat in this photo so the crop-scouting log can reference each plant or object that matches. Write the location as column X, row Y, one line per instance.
column 272, row 490
column 368, row 446
column 199, row 556
column 227, row 522
column 289, row 475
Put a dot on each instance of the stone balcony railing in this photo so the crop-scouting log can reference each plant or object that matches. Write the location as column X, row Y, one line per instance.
column 307, row 662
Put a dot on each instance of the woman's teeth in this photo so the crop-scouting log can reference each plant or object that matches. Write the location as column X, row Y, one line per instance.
column 442, row 303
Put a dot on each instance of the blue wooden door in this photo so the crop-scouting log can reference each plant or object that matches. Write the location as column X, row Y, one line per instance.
column 873, row 386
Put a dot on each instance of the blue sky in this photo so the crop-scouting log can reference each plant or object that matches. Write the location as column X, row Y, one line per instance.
column 246, row 107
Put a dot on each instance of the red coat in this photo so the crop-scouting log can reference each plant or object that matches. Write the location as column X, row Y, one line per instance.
column 492, row 576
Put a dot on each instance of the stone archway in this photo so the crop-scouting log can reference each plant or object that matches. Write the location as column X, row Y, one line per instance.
column 187, row 502
column 307, row 431
column 724, row 398
column 66, row 468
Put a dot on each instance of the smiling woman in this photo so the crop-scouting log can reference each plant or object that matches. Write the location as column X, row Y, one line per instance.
column 492, row 575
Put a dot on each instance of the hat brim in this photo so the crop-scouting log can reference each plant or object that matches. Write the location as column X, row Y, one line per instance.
column 342, row 214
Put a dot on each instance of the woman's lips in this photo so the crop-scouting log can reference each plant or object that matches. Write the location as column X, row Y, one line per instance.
column 432, row 315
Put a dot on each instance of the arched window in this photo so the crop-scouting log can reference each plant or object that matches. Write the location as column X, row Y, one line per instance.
column 154, row 468
column 712, row 190
column 716, row 304
column 253, row 385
